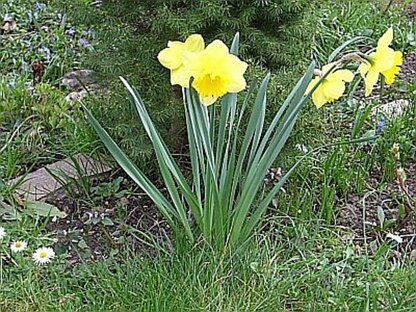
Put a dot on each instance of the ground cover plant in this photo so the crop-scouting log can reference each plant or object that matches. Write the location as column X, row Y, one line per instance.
column 38, row 46
column 338, row 237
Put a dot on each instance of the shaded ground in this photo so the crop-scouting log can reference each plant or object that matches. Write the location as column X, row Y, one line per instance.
column 386, row 210
column 100, row 224
column 373, row 217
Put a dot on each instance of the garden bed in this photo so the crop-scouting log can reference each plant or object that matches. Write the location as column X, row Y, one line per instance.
column 385, row 214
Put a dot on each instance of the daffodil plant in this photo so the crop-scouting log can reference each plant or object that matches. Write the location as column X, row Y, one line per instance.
column 226, row 196
column 384, row 62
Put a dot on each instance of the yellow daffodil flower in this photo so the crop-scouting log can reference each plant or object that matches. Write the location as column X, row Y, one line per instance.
column 216, row 72
column 384, row 61
column 332, row 87
column 173, row 58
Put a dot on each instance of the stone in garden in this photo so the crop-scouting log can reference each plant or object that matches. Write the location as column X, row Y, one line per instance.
column 78, row 79
column 392, row 109
column 76, row 96
column 45, row 181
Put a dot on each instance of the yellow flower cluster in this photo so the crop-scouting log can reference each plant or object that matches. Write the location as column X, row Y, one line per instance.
column 384, row 61
column 215, row 71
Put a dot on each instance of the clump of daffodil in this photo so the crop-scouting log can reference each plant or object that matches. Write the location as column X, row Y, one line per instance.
column 173, row 58
column 332, row 86
column 384, row 61
column 216, row 72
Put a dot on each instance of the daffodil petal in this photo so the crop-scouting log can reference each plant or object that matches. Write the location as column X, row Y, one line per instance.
column 384, row 59
column 217, row 47
column 175, row 44
column 398, row 58
column 343, row 75
column 370, row 81
column 386, row 39
column 237, row 84
column 194, row 43
column 333, row 89
column 239, row 67
column 236, row 69
column 170, row 58
column 363, row 69
column 208, row 100
column 319, row 98
column 180, row 76
column 390, row 74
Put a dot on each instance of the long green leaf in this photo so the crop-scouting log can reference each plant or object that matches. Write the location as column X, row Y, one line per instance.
column 256, row 174
column 136, row 174
column 166, row 160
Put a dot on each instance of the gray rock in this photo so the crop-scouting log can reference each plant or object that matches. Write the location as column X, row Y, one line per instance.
column 76, row 96
column 77, row 79
column 45, row 181
column 392, row 109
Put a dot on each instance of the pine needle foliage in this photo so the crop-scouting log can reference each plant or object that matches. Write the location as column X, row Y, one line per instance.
column 271, row 29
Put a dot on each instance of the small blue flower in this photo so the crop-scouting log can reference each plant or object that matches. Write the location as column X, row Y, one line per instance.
column 381, row 125
column 70, row 32
column 38, row 7
column 8, row 18
column 84, row 42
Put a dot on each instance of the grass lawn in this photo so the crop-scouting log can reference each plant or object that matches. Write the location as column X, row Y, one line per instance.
column 340, row 236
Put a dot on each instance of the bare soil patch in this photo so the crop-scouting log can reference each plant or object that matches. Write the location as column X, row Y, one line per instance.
column 364, row 215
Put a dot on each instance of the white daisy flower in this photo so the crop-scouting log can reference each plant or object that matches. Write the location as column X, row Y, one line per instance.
column 2, row 232
column 18, row 246
column 43, row 255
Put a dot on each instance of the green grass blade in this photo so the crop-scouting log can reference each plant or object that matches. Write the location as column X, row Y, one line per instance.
column 256, row 217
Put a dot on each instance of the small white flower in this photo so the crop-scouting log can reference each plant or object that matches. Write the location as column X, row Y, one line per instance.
column 43, row 255
column 18, row 246
column 2, row 232
column 397, row 238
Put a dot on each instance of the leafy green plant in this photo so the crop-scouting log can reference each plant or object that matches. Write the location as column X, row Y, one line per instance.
column 226, row 197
